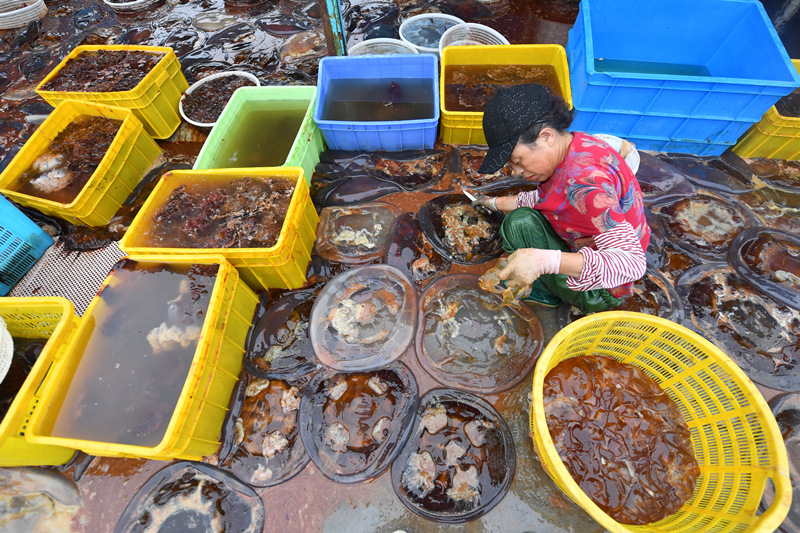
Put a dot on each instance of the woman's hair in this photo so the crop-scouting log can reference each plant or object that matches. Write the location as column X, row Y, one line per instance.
column 558, row 118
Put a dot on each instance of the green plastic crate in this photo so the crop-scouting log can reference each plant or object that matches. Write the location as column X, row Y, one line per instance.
column 308, row 142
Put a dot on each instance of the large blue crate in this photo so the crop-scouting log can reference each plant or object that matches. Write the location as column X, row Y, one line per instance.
column 391, row 136
column 22, row 243
column 716, row 59
column 660, row 144
column 630, row 124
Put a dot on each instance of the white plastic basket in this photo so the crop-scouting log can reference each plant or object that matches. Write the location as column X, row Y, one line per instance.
column 469, row 33
column 130, row 7
column 205, row 80
column 6, row 349
column 421, row 18
column 18, row 13
column 382, row 46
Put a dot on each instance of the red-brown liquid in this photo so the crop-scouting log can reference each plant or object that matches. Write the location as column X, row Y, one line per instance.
column 774, row 257
column 621, row 437
column 470, row 87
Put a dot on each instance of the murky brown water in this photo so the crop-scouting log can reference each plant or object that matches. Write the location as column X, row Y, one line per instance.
column 281, row 44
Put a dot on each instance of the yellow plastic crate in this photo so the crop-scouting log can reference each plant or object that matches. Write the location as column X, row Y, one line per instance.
column 131, row 152
column 154, row 100
column 193, row 430
column 51, row 318
column 775, row 136
column 736, row 440
column 466, row 127
column 281, row 266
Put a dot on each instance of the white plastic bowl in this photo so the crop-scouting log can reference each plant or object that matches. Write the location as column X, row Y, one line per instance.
column 130, row 7
column 426, row 16
column 470, row 33
column 382, row 46
column 18, row 13
column 198, row 83
column 632, row 158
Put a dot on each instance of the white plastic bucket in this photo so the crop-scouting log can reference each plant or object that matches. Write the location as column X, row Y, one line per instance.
column 470, row 33
column 18, row 13
column 433, row 17
column 200, row 82
column 382, row 46
column 130, row 7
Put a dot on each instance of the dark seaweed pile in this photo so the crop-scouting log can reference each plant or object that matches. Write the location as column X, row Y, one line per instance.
column 246, row 213
column 83, row 144
column 205, row 104
column 103, row 71
column 789, row 105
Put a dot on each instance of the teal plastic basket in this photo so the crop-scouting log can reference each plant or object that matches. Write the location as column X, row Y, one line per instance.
column 22, row 243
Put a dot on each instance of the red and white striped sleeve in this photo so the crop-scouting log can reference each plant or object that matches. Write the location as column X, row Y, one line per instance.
column 527, row 198
column 619, row 259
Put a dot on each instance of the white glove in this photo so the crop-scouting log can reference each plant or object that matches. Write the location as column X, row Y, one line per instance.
column 489, row 202
column 527, row 264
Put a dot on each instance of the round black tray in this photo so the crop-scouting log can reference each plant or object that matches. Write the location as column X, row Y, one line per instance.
column 497, row 462
column 352, row 465
column 271, row 326
column 786, row 408
column 473, row 364
column 430, row 219
column 785, row 295
column 222, row 502
column 760, row 313
column 284, row 465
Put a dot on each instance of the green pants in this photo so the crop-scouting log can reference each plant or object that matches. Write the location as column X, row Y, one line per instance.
column 527, row 228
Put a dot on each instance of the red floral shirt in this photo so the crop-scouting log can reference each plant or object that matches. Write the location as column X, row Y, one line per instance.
column 592, row 192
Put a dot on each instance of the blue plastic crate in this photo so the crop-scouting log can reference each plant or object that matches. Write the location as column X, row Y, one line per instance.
column 630, row 124
column 717, row 59
column 391, row 136
column 665, row 144
column 680, row 146
column 22, row 243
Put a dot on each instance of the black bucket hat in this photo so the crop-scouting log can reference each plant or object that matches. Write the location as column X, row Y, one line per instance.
column 509, row 113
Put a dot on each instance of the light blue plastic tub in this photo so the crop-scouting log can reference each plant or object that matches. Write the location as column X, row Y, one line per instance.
column 392, row 136
column 717, row 59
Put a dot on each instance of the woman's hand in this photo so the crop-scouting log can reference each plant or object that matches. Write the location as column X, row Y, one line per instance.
column 527, row 264
column 506, row 204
